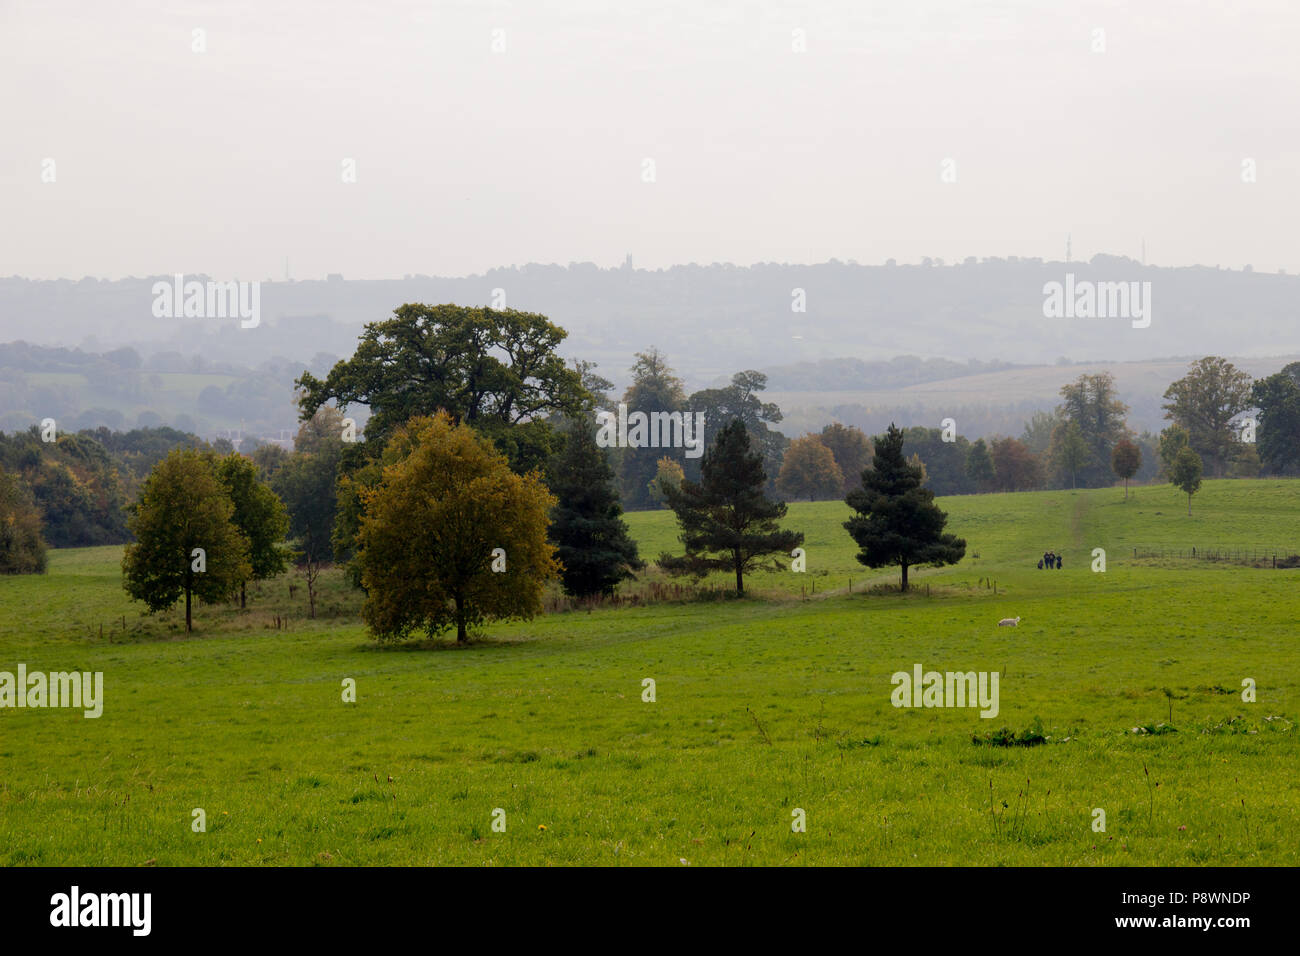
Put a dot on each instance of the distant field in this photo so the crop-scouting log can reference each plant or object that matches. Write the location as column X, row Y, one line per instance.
column 763, row 706
column 1142, row 382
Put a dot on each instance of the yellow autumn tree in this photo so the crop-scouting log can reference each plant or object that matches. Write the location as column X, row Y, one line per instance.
column 451, row 536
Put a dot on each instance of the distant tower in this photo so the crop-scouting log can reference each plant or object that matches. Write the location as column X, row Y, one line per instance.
column 627, row 263
column 1067, row 247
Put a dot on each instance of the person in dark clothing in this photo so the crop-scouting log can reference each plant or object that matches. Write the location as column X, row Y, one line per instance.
column 1040, row 564
column 1058, row 562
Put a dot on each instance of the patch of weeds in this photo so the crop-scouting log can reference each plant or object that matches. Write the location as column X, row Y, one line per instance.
column 1032, row 736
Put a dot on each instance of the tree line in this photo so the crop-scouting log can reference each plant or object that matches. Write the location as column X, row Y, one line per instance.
column 477, row 477
column 478, row 481
column 1085, row 441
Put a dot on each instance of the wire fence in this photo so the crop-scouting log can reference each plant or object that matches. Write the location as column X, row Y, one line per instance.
column 1277, row 556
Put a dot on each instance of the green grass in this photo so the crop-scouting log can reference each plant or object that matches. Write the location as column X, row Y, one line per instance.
column 763, row 705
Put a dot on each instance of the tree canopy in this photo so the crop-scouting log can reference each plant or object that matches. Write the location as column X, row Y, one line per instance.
column 451, row 536
column 1205, row 401
column 1125, row 461
column 809, row 471
column 259, row 515
column 22, row 549
column 1278, row 434
column 1091, row 403
column 186, row 543
column 488, row 368
column 1186, row 474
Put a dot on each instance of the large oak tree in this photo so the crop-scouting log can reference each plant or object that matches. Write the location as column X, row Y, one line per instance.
column 496, row 370
column 1205, row 401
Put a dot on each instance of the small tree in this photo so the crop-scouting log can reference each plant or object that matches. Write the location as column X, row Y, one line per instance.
column 260, row 517
column 809, row 471
column 590, row 537
column 451, row 536
column 897, row 521
column 1125, row 460
column 1186, row 474
column 979, row 466
column 727, row 522
column 1172, row 440
column 186, row 541
column 669, row 474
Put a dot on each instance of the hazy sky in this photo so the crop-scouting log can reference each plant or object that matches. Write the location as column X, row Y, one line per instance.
column 230, row 160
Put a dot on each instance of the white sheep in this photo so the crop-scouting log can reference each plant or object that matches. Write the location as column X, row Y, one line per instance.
column 1009, row 622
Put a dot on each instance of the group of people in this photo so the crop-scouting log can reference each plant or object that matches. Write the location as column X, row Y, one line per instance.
column 1050, row 559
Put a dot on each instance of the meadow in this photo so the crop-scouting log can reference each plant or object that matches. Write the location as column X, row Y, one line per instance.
column 1128, row 683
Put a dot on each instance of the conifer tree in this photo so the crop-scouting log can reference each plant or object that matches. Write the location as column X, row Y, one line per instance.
column 727, row 522
column 590, row 537
column 898, row 522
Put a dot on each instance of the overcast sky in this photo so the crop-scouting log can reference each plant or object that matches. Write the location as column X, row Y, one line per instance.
column 228, row 161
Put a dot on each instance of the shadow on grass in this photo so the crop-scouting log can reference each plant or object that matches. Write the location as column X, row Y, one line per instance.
column 476, row 642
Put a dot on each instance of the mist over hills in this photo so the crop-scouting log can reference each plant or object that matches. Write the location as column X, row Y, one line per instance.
column 711, row 320
column 973, row 334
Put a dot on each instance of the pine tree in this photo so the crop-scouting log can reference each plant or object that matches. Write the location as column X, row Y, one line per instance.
column 727, row 523
column 587, row 528
column 897, row 520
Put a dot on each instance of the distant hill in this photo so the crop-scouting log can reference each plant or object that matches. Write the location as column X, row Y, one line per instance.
column 713, row 320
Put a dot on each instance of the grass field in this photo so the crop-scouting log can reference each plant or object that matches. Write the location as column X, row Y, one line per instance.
column 777, row 702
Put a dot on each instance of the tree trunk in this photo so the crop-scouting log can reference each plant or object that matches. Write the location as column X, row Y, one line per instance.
column 1126, row 489
column 313, row 572
column 189, row 626
column 243, row 597
column 904, row 587
column 461, row 636
column 1189, row 504
column 740, row 578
